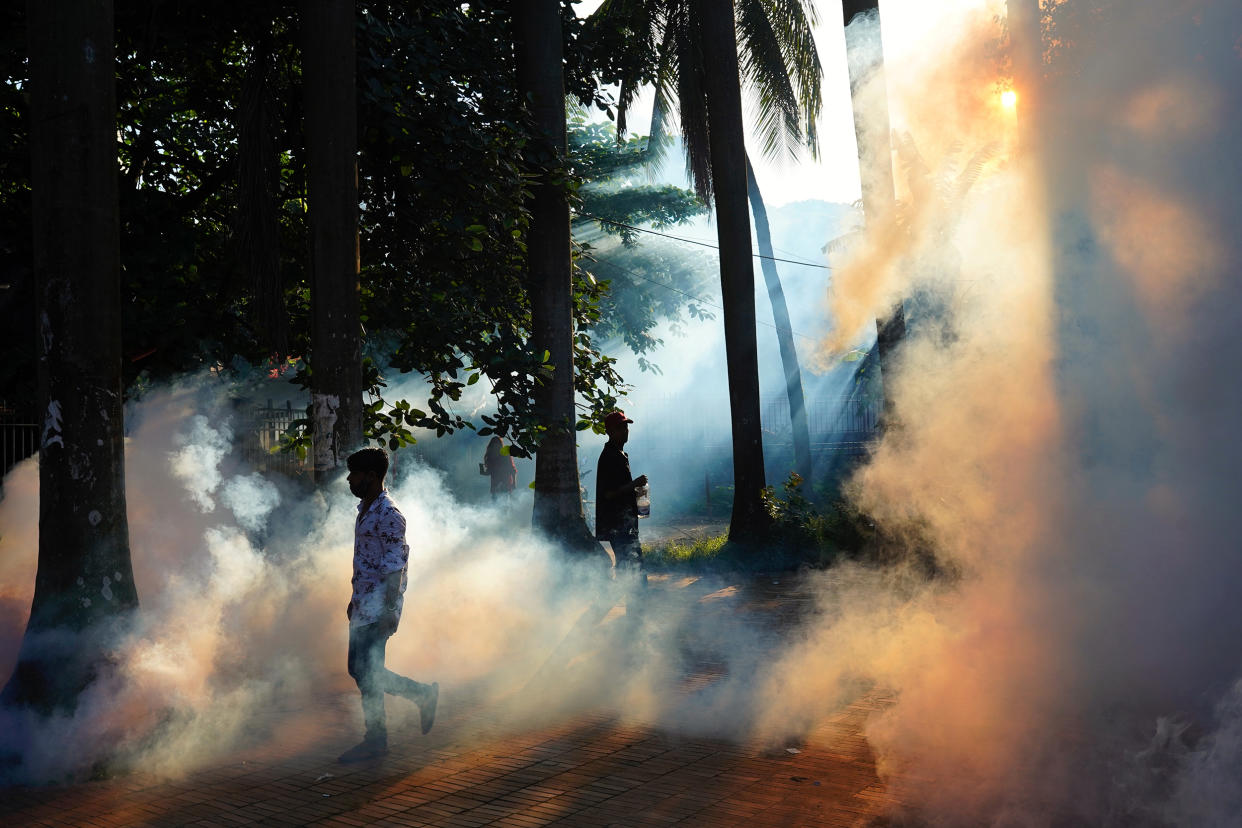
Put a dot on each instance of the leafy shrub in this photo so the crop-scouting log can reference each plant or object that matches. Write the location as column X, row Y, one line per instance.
column 802, row 533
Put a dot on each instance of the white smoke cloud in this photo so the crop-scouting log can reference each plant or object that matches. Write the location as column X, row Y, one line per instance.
column 243, row 607
column 1068, row 443
column 196, row 462
column 251, row 499
column 1066, row 437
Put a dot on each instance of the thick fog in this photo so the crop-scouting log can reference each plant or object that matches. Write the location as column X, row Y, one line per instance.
column 1067, row 437
column 1066, row 405
column 244, row 582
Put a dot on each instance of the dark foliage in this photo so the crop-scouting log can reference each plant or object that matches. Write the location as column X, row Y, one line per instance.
column 212, row 196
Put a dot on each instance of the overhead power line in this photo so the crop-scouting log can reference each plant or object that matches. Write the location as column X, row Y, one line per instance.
column 698, row 299
column 695, row 241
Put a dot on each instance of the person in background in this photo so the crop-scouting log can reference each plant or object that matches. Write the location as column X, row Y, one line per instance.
column 381, row 558
column 616, row 498
column 500, row 467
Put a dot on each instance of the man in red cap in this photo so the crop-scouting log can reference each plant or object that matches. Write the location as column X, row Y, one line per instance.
column 616, row 498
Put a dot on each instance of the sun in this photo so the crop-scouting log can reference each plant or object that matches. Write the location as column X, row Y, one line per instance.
column 1009, row 99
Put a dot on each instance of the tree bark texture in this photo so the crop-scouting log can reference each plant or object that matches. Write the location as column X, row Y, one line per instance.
column 737, row 276
column 331, row 148
column 540, row 77
column 84, row 590
column 256, row 225
column 784, row 330
column 869, row 96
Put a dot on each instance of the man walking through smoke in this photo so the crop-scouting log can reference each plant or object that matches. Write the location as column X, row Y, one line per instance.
column 381, row 557
column 616, row 499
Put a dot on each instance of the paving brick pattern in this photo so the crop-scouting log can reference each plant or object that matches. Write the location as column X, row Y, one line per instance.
column 472, row 770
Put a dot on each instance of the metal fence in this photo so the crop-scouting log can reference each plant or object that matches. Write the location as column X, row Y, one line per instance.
column 262, row 442
column 826, row 416
column 17, row 442
column 18, row 439
column 706, row 420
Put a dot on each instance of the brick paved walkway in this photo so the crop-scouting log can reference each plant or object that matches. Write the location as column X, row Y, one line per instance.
column 472, row 770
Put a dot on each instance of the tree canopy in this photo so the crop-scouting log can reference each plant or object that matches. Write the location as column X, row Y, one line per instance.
column 213, row 200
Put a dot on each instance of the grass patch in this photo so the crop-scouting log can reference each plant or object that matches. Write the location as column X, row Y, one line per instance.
column 803, row 534
column 798, row 534
column 682, row 553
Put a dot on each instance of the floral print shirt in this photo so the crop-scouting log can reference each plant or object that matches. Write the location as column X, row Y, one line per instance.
column 379, row 550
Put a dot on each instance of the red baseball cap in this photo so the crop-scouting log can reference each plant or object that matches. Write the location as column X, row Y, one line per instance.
column 615, row 419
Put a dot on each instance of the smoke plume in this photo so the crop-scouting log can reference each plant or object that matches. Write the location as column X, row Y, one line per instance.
column 1066, row 410
column 1065, row 438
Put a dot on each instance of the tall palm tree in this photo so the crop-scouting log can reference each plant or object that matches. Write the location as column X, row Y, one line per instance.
column 722, row 97
column 869, row 96
column 800, row 429
column 85, row 581
column 540, row 78
column 332, row 172
column 665, row 43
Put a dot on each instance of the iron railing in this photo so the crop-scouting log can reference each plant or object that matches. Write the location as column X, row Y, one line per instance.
column 705, row 421
column 261, row 446
column 18, row 439
column 17, row 442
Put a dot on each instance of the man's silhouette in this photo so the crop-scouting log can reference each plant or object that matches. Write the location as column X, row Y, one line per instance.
column 381, row 556
column 616, row 499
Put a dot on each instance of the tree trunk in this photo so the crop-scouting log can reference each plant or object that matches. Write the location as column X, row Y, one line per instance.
column 737, row 275
column 84, row 589
column 865, row 55
column 331, row 152
column 1026, row 58
column 784, row 330
column 256, row 223
column 540, row 79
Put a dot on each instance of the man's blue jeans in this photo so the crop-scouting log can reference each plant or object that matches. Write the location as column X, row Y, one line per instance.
column 366, row 666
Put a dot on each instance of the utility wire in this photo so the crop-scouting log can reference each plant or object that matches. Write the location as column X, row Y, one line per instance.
column 695, row 241
column 700, row 300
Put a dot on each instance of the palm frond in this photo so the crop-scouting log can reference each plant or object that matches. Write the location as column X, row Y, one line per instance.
column 763, row 71
column 777, row 57
column 625, row 96
column 918, row 177
column 662, row 105
column 657, row 137
column 843, row 243
column 793, row 22
column 692, row 98
column 974, row 168
column 946, row 184
column 623, row 35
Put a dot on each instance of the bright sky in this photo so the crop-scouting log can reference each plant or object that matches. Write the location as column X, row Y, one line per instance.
column 908, row 25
